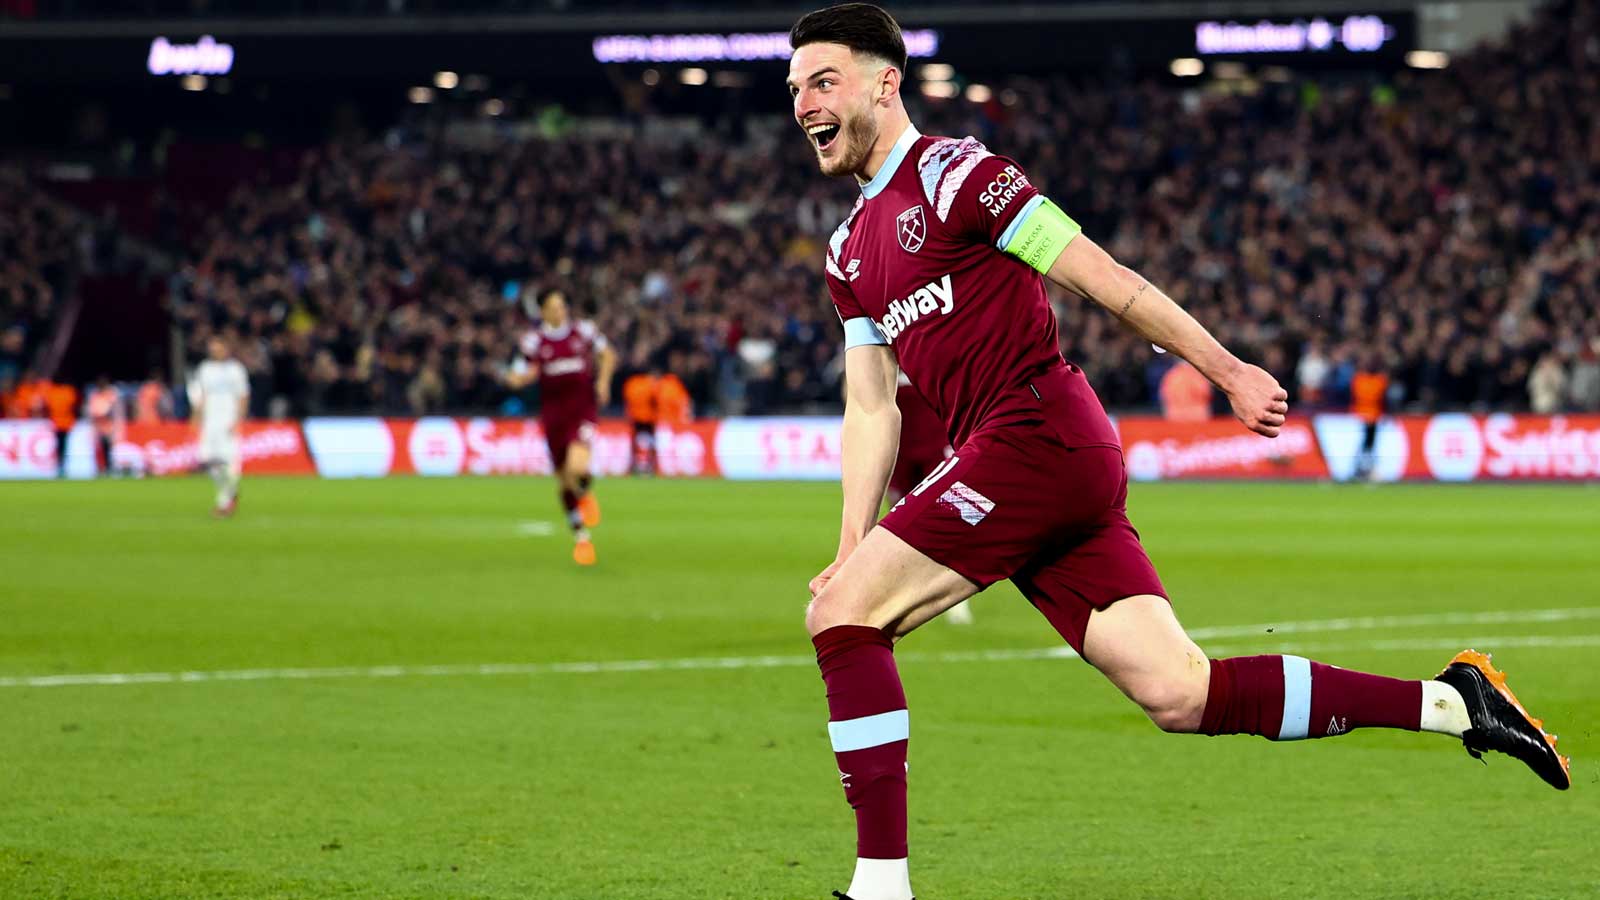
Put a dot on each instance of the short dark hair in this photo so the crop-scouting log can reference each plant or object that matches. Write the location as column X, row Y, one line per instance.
column 547, row 294
column 862, row 27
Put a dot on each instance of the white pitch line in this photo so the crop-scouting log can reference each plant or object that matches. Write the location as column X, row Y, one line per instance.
column 956, row 656
column 536, row 529
column 1367, row 623
column 736, row 662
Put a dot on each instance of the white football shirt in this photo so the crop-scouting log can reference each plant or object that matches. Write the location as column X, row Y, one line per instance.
column 222, row 385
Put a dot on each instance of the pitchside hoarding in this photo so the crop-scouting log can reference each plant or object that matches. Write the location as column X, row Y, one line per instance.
column 1449, row 447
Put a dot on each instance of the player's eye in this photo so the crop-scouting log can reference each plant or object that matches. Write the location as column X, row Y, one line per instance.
column 824, row 84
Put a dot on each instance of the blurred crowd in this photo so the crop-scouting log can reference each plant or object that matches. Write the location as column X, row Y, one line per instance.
column 1441, row 227
column 37, row 247
column 1449, row 222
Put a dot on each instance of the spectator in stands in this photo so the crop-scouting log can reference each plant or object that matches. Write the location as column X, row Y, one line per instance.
column 1583, row 386
column 23, row 399
column 1292, row 220
column 11, row 350
column 1313, row 375
column 1185, row 394
column 152, row 402
column 1547, row 386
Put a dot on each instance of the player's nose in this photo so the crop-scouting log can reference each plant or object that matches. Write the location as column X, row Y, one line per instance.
column 804, row 108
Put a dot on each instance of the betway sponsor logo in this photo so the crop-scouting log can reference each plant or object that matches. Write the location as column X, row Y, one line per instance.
column 567, row 365
column 998, row 194
column 933, row 297
column 1174, row 458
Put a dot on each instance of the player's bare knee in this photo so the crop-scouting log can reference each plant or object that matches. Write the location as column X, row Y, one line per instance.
column 835, row 605
column 1177, row 704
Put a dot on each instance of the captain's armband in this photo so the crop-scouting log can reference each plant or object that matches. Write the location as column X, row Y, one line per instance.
column 1039, row 233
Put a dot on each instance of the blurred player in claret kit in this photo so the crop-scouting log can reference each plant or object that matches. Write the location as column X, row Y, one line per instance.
column 222, row 399
column 572, row 364
column 938, row 271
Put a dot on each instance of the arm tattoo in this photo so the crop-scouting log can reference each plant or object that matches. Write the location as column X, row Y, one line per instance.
column 1132, row 297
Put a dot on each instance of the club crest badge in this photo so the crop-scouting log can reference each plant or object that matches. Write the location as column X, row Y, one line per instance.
column 912, row 229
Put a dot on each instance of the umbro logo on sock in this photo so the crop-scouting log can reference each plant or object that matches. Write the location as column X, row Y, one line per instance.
column 844, row 778
column 1337, row 725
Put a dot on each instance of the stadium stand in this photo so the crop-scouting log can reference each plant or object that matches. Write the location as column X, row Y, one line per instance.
column 1449, row 219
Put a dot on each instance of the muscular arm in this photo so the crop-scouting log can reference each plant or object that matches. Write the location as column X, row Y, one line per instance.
column 1085, row 269
column 607, row 368
column 871, row 437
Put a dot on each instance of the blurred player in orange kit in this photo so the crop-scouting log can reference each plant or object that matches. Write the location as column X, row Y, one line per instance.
column 652, row 398
column 1368, row 391
column 61, row 404
column 639, row 400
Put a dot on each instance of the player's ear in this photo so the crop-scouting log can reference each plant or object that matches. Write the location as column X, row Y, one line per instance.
column 888, row 83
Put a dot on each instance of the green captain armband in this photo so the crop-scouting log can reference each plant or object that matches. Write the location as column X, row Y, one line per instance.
column 1039, row 233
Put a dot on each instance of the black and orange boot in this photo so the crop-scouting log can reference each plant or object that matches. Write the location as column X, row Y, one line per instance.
column 1499, row 722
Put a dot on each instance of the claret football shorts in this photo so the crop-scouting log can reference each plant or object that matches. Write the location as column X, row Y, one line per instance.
column 1015, row 502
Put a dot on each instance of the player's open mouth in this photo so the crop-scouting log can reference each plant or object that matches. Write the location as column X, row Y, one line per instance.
column 823, row 134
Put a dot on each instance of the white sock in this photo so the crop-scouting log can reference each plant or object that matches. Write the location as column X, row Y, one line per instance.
column 881, row 879
column 1443, row 710
column 960, row 614
column 218, row 479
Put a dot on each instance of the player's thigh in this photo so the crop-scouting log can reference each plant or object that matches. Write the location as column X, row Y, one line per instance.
column 887, row 583
column 578, row 459
column 1139, row 645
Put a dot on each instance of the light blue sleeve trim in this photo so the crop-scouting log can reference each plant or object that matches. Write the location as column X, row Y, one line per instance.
column 892, row 163
column 870, row 731
column 1296, row 699
column 861, row 331
column 1016, row 223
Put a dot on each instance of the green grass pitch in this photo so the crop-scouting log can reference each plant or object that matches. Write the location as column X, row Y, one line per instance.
column 1031, row 777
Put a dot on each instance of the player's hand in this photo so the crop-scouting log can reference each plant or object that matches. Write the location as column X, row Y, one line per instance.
column 823, row 577
column 1259, row 401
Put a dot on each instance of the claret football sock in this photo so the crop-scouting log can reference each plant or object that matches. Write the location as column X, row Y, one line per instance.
column 869, row 727
column 583, row 484
column 1288, row 698
column 569, row 502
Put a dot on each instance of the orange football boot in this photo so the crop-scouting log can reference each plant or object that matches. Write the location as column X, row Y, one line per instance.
column 589, row 508
column 1499, row 722
column 583, row 553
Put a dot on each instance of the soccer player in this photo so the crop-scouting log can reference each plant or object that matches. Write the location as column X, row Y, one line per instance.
column 562, row 354
column 938, row 270
column 219, row 412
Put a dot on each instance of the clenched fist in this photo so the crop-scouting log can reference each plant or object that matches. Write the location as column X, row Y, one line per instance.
column 1258, row 400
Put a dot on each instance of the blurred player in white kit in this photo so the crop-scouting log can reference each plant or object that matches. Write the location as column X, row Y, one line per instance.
column 223, row 389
